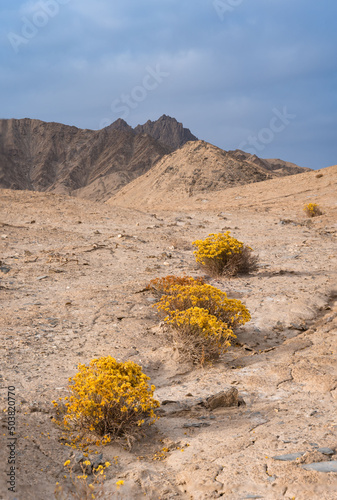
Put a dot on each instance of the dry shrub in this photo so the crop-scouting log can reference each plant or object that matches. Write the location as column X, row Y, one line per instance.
column 160, row 286
column 221, row 254
column 201, row 336
column 312, row 210
column 203, row 319
column 108, row 399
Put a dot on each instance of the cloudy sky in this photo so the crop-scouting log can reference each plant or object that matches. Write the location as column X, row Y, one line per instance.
column 258, row 75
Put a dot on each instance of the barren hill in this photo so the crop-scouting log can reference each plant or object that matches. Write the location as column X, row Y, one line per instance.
column 198, row 168
column 41, row 156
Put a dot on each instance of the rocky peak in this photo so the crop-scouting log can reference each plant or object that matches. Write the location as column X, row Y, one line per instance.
column 168, row 131
column 120, row 124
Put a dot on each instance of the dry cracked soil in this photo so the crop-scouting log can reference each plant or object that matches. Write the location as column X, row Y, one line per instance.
column 72, row 280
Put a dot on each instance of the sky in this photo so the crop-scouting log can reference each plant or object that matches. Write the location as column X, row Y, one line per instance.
column 257, row 75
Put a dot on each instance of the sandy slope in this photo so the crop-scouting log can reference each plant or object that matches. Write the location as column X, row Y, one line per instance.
column 192, row 186
column 72, row 273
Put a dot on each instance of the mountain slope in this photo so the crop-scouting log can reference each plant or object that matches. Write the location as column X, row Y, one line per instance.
column 41, row 156
column 198, row 168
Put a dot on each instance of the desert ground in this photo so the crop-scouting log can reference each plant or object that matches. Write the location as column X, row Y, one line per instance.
column 72, row 280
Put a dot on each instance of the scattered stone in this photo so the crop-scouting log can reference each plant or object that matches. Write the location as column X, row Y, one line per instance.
column 223, row 399
column 198, row 424
column 326, row 451
column 5, row 269
column 289, row 456
column 322, row 466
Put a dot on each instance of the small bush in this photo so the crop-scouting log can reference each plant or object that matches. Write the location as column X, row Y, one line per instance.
column 108, row 399
column 312, row 210
column 221, row 254
column 203, row 319
column 160, row 286
column 202, row 337
column 180, row 298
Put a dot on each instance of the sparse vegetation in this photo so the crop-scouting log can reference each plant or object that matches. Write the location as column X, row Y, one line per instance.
column 160, row 286
column 221, row 254
column 84, row 487
column 109, row 399
column 312, row 210
column 203, row 319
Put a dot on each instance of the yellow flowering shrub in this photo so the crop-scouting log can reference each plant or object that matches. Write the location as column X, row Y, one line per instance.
column 108, row 399
column 312, row 210
column 202, row 337
column 230, row 311
column 159, row 286
column 203, row 319
column 222, row 254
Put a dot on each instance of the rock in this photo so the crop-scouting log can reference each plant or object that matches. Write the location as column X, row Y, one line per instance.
column 78, row 458
column 326, row 451
column 289, row 456
column 322, row 466
column 96, row 460
column 223, row 399
column 198, row 424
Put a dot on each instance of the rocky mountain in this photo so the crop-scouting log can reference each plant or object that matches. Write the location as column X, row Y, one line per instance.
column 199, row 168
column 40, row 156
column 167, row 131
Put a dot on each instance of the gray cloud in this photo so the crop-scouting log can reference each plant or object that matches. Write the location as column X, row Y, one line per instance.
column 225, row 76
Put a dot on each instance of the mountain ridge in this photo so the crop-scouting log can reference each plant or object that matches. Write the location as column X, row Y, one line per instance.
column 96, row 164
column 198, row 168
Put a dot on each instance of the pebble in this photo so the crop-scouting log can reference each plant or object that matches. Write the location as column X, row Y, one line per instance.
column 226, row 398
column 289, row 457
column 322, row 466
column 199, row 424
column 326, row 451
